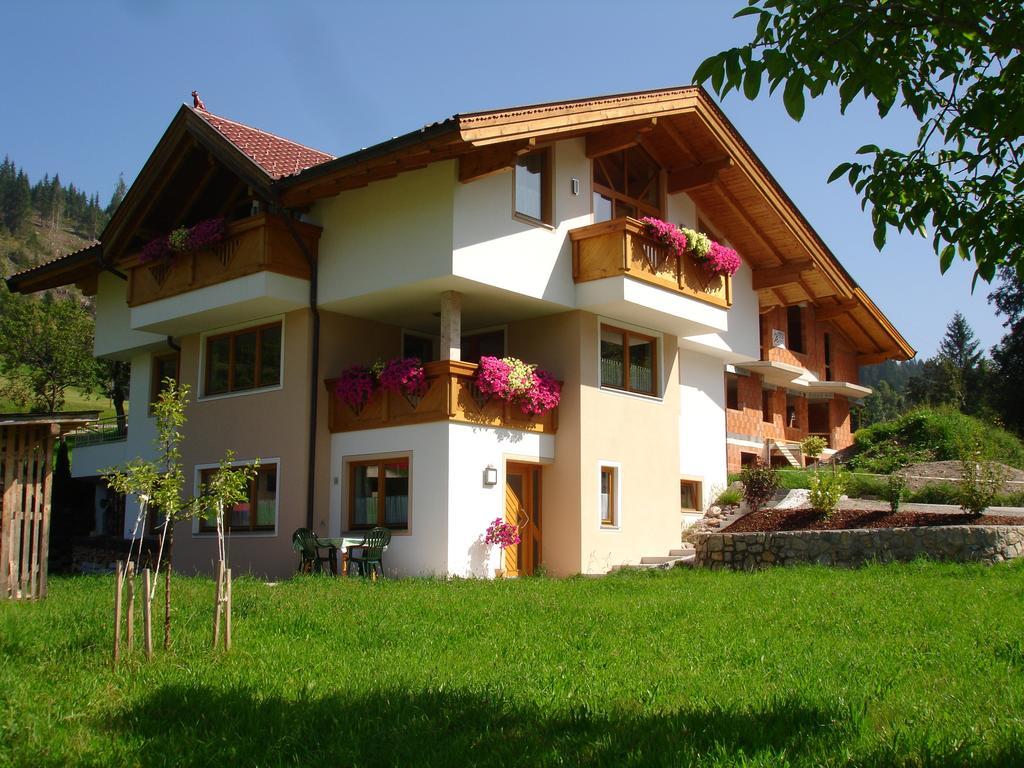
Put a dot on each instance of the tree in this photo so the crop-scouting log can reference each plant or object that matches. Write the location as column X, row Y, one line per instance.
column 955, row 64
column 112, row 379
column 45, row 347
column 961, row 362
column 1008, row 354
column 119, row 192
column 162, row 482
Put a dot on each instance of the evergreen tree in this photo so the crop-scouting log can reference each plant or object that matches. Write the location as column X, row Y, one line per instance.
column 119, row 192
column 960, row 359
column 56, row 202
column 1008, row 354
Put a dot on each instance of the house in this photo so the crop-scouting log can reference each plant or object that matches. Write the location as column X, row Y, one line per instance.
column 508, row 232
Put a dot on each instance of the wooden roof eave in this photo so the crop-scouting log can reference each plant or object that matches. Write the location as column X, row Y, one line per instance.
column 73, row 268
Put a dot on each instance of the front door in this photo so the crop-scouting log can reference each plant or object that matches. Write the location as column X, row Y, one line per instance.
column 522, row 509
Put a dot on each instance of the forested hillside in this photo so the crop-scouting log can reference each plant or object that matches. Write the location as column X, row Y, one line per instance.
column 46, row 341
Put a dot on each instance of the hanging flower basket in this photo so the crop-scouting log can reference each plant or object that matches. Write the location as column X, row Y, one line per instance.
column 355, row 386
column 535, row 391
column 667, row 234
column 722, row 260
column 184, row 239
column 406, row 376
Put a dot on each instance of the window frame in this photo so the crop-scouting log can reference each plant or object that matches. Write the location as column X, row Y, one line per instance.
column 201, row 528
column 655, row 361
column 208, row 338
column 547, row 206
column 799, row 324
column 155, row 387
column 767, row 409
column 697, row 489
column 351, row 464
column 616, row 197
column 614, row 470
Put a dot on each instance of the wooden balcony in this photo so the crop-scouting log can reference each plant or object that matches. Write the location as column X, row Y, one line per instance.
column 451, row 395
column 620, row 248
column 260, row 243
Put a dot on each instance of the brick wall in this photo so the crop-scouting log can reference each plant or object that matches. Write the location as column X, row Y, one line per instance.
column 842, row 353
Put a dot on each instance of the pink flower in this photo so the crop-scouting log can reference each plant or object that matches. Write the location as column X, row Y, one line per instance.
column 543, row 396
column 405, row 375
column 502, row 534
column 665, row 233
column 354, row 386
column 492, row 377
column 534, row 391
column 204, row 234
column 156, row 250
column 722, row 260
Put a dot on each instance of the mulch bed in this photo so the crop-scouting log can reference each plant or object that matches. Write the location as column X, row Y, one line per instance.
column 769, row 520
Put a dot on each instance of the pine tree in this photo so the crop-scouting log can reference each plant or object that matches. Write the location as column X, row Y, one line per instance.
column 18, row 206
column 119, row 192
column 960, row 358
column 56, row 202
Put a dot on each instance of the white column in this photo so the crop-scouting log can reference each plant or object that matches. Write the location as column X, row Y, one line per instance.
column 451, row 325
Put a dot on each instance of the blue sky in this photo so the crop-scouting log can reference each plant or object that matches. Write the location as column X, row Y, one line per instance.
column 95, row 84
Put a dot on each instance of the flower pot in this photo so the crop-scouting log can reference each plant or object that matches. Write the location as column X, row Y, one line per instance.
column 499, row 573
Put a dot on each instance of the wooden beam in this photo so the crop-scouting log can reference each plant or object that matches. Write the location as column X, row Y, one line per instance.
column 774, row 277
column 186, row 206
column 606, row 142
column 491, row 160
column 698, row 175
column 737, row 209
column 680, row 141
column 832, row 311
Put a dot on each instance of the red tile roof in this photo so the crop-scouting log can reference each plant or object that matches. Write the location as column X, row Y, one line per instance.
column 276, row 156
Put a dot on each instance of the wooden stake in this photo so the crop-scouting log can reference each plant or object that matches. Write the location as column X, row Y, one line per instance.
column 218, row 603
column 147, row 615
column 227, row 617
column 130, row 576
column 117, row 615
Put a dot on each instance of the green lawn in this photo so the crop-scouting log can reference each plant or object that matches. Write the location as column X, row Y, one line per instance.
column 912, row 665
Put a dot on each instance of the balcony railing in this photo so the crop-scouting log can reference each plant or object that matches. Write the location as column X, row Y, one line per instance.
column 619, row 247
column 260, row 243
column 451, row 395
column 109, row 430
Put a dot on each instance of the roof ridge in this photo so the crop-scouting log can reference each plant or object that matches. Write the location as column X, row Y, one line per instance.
column 204, row 113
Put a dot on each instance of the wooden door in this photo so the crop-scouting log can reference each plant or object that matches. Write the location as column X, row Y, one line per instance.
column 522, row 508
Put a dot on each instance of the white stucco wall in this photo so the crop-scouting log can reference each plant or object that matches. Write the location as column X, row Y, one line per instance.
column 449, row 506
column 492, row 246
column 114, row 334
column 390, row 234
column 702, row 452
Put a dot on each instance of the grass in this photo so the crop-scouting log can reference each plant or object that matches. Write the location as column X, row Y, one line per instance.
column 74, row 400
column 912, row 665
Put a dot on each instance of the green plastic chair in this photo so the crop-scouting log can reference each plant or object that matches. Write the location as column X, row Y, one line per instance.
column 306, row 543
column 371, row 553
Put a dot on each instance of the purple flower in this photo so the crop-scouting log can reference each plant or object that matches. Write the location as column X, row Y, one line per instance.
column 501, row 534
column 722, row 260
column 204, row 234
column 405, row 375
column 354, row 386
column 665, row 233
column 156, row 250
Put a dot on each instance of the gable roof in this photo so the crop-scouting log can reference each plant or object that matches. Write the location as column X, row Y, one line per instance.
column 277, row 156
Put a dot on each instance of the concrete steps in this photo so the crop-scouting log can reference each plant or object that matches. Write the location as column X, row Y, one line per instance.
column 675, row 557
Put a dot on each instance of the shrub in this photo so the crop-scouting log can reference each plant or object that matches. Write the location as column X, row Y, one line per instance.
column 930, row 434
column 866, row 486
column 980, row 480
column 760, row 482
column 826, row 491
column 794, row 478
column 813, row 445
column 730, row 497
column 935, row 493
column 896, row 491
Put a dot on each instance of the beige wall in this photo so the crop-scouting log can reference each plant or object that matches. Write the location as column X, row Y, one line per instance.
column 270, row 424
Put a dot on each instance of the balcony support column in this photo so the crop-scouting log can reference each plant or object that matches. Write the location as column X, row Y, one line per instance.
column 451, row 325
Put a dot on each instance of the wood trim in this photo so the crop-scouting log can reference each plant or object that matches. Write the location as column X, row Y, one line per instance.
column 547, row 186
column 205, row 527
column 613, row 487
column 449, row 396
column 832, row 311
column 698, row 175
column 774, row 277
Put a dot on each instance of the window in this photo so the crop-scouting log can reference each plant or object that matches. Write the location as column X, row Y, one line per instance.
column 690, row 495
column 165, row 366
column 243, row 360
column 473, row 346
column 767, row 412
column 609, row 497
column 415, row 345
column 792, row 415
column 626, row 183
column 379, row 494
column 629, row 361
column 732, row 391
column 747, row 459
column 533, row 186
column 828, row 356
column 795, row 329
column 258, row 512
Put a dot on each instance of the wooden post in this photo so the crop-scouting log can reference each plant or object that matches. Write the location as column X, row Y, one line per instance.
column 117, row 614
column 147, row 615
column 218, row 603
column 130, row 577
column 227, row 617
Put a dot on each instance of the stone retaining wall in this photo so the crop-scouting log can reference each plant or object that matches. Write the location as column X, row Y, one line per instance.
column 959, row 543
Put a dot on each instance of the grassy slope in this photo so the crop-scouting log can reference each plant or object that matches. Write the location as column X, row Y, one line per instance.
column 895, row 665
column 74, row 401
